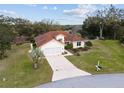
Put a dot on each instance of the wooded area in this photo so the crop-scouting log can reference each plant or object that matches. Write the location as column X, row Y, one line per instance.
column 108, row 22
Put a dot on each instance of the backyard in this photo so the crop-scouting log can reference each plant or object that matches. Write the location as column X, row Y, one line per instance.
column 109, row 53
column 16, row 70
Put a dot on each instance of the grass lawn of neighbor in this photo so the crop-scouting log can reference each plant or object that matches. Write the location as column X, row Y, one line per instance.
column 16, row 70
column 110, row 54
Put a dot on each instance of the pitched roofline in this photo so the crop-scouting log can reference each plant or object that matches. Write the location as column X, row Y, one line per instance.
column 46, row 37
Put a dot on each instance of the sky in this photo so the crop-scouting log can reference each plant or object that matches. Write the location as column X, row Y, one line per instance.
column 64, row 14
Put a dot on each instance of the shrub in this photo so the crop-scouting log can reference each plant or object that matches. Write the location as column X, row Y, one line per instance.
column 122, row 40
column 75, row 50
column 88, row 43
column 85, row 48
column 77, row 54
column 69, row 46
column 80, row 48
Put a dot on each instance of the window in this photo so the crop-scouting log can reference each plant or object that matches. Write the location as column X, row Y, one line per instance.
column 78, row 43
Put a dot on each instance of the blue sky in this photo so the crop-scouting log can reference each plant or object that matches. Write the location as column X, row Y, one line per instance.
column 61, row 13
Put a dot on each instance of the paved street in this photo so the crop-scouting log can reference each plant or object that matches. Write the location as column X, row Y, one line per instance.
column 91, row 81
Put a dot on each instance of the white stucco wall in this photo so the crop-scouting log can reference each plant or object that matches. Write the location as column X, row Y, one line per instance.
column 58, row 37
column 75, row 44
column 53, row 46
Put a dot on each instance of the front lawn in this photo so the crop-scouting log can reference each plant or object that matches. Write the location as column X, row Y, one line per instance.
column 17, row 70
column 110, row 54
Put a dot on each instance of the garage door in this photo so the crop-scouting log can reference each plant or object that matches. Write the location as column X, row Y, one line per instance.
column 53, row 51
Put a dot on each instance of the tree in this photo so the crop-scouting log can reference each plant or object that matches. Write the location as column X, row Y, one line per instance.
column 36, row 55
column 45, row 26
column 122, row 40
column 24, row 27
column 5, row 40
column 91, row 27
column 106, row 23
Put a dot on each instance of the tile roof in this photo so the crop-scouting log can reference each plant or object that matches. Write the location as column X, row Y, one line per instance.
column 44, row 38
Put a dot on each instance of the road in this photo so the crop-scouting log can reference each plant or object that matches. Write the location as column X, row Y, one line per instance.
column 91, row 81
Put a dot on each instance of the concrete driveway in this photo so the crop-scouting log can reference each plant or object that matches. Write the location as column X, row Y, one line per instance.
column 62, row 68
column 91, row 81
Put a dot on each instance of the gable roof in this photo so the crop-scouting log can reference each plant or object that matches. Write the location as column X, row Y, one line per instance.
column 44, row 38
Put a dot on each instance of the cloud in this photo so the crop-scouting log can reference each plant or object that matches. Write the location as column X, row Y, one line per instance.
column 81, row 10
column 49, row 8
column 45, row 7
column 11, row 13
column 55, row 8
column 7, row 12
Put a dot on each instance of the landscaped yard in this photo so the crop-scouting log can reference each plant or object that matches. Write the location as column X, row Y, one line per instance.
column 110, row 54
column 18, row 71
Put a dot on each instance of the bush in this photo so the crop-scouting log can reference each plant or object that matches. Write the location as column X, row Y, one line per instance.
column 88, row 43
column 69, row 46
column 122, row 40
column 77, row 54
column 75, row 50
column 80, row 48
column 85, row 48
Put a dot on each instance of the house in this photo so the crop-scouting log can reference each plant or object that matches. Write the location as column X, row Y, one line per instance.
column 54, row 42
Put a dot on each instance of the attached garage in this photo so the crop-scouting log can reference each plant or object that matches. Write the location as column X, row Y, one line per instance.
column 53, row 51
column 52, row 47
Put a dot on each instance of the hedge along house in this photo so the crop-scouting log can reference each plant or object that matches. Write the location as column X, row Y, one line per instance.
column 54, row 42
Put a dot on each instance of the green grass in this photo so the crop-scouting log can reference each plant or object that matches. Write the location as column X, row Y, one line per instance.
column 18, row 71
column 110, row 54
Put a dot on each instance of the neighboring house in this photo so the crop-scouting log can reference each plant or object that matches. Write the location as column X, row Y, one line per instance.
column 54, row 42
